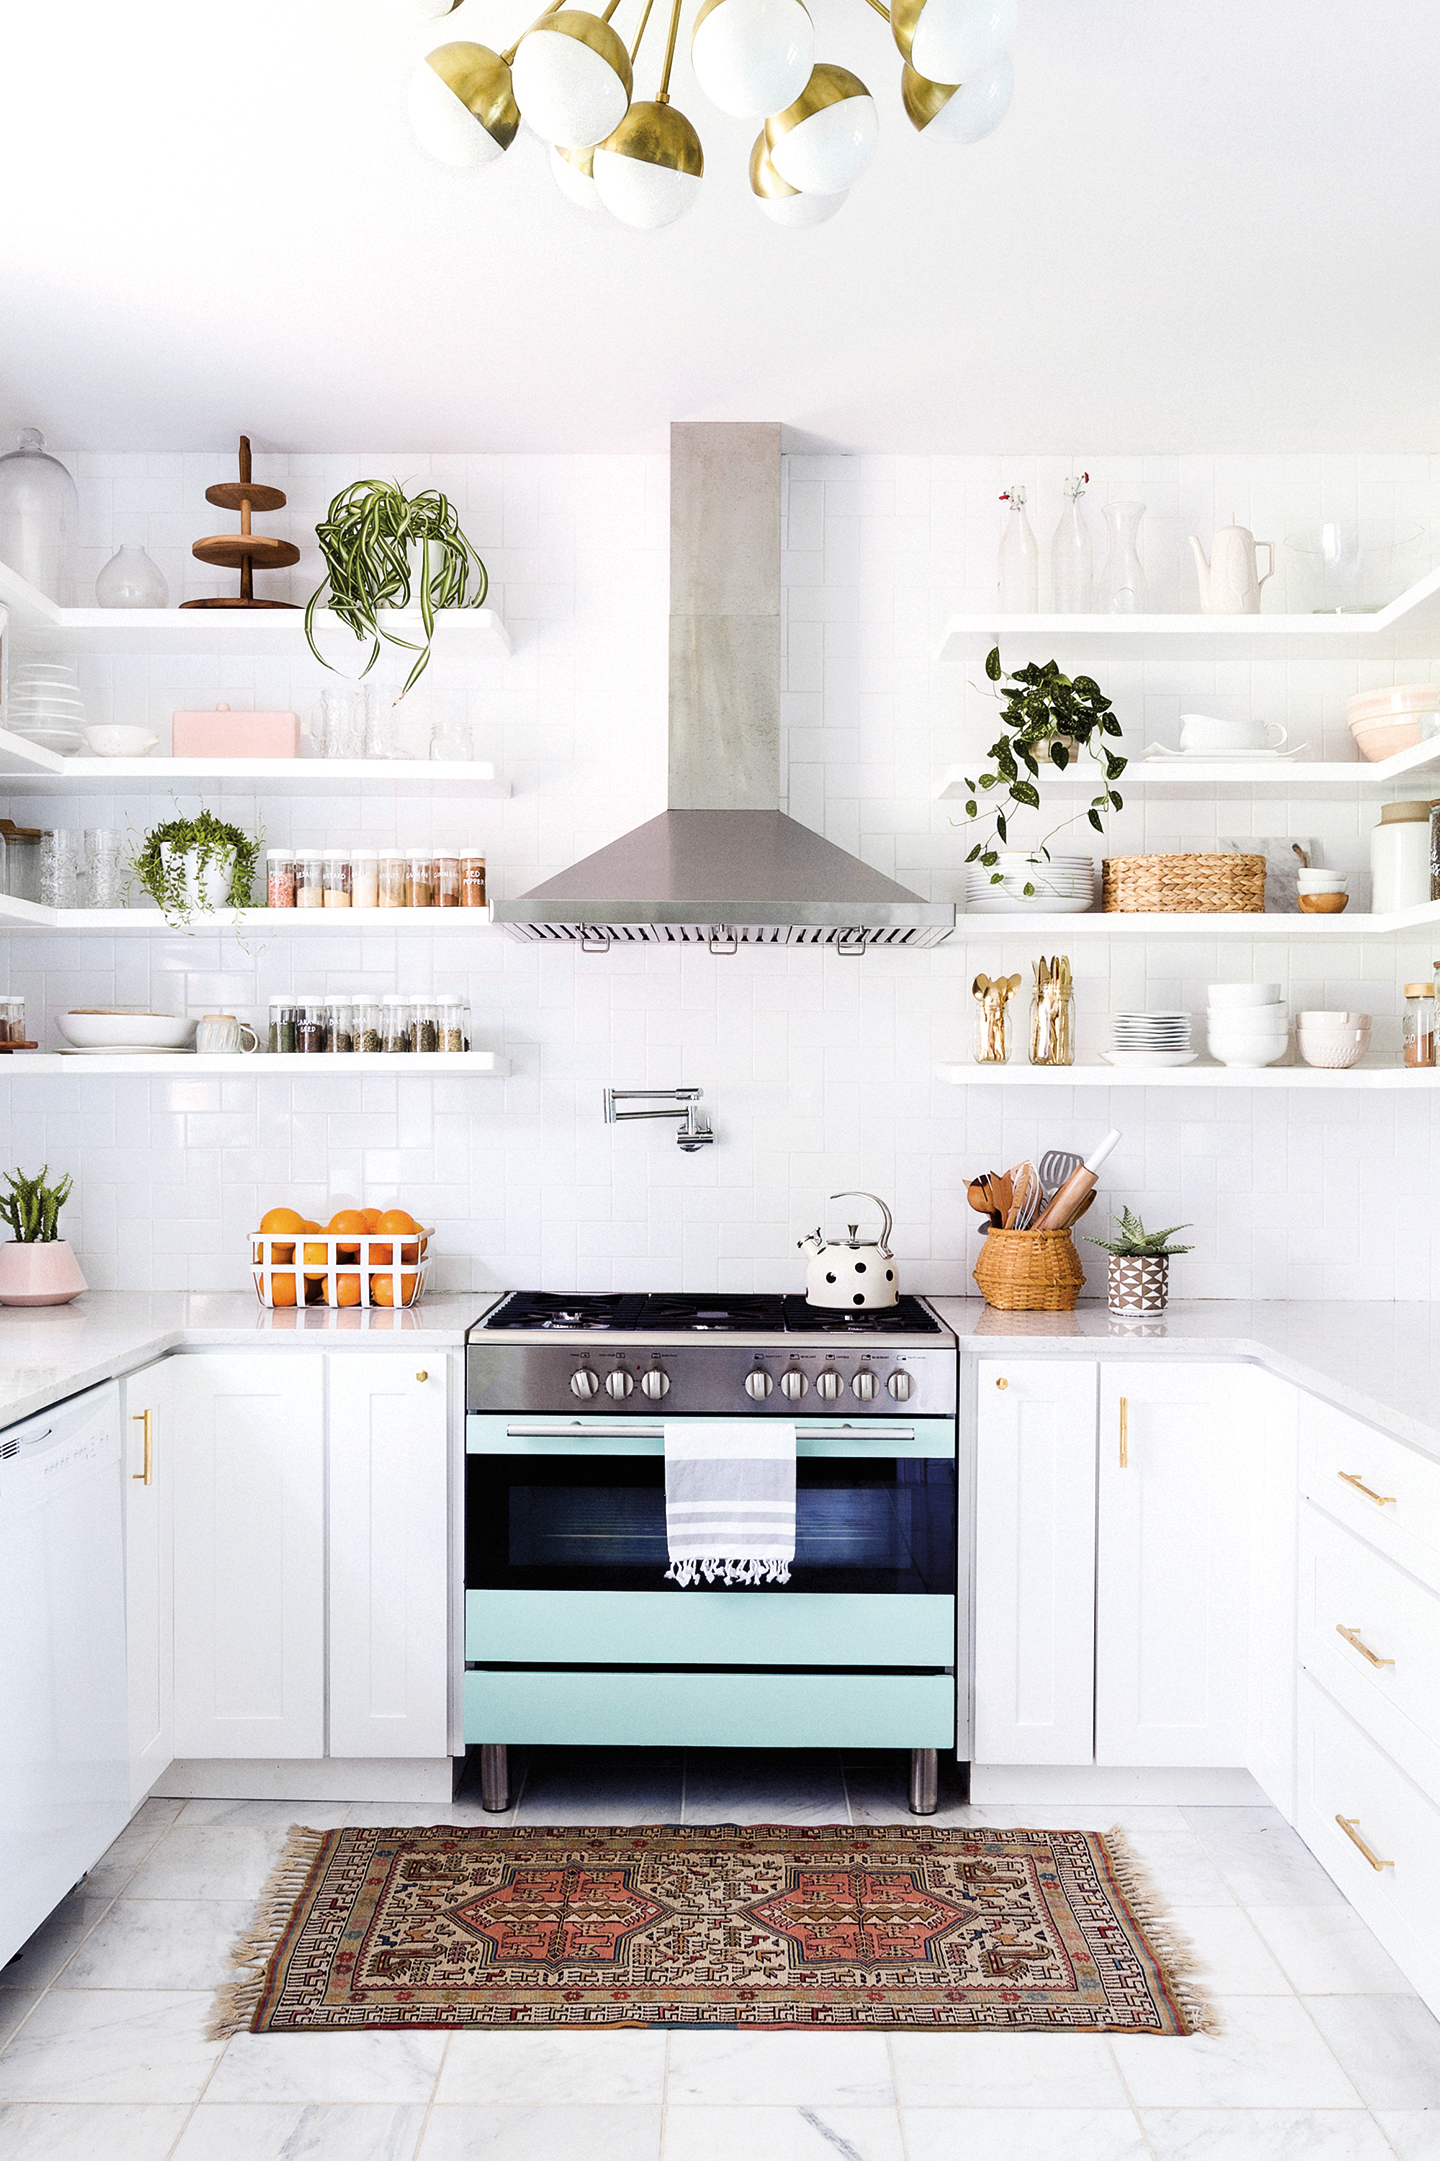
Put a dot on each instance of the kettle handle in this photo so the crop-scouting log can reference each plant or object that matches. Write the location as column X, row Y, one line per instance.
column 889, row 1224
column 1270, row 553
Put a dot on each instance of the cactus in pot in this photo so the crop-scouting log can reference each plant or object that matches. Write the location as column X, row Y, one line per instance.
column 37, row 1268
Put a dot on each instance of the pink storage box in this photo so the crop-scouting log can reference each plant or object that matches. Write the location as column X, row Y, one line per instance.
column 222, row 734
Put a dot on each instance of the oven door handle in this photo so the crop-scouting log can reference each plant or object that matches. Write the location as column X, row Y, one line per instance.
column 657, row 1433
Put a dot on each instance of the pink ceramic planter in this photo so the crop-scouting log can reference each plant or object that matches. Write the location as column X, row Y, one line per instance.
column 39, row 1275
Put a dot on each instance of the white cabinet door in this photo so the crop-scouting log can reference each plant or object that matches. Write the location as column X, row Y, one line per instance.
column 389, row 1554
column 1035, row 1562
column 249, row 1458
column 1172, row 1578
column 148, row 1445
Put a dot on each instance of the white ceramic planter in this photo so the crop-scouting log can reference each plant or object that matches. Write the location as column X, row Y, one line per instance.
column 207, row 891
column 1138, row 1283
column 43, row 1274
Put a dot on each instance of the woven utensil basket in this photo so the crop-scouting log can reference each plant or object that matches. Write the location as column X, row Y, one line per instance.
column 1183, row 885
column 1029, row 1271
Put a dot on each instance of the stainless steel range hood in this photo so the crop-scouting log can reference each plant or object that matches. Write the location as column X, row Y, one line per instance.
column 723, row 864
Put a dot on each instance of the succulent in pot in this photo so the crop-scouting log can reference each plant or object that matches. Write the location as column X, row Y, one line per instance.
column 38, row 1267
column 1138, row 1277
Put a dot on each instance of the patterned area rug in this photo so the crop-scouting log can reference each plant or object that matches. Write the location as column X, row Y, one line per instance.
column 768, row 1925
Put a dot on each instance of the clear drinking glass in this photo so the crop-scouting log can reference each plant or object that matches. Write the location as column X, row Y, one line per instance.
column 59, row 867
column 382, row 724
column 452, row 739
column 343, row 714
column 105, row 874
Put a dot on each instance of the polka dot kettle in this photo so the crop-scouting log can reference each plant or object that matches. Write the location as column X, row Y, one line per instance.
column 850, row 1273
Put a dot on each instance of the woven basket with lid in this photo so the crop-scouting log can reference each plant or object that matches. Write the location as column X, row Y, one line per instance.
column 1183, row 885
column 1029, row 1271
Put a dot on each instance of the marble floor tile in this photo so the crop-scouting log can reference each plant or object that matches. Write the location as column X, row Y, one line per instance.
column 156, row 1810
column 1233, row 1960
column 1329, row 1951
column 1007, row 2070
column 819, row 2133
column 1102, row 1816
column 16, row 2004
column 208, row 1861
column 87, row 2044
column 1270, row 2134
column 376, row 2133
column 1182, row 1871
column 1023, row 2134
column 1414, row 2133
column 567, row 2068
column 1264, row 1862
column 1390, row 2045
column 543, row 2134
column 160, row 1943
column 780, row 1786
column 65, row 2132
column 56, row 1941
column 119, row 1861
column 265, row 1815
column 1268, row 2056
column 874, row 1797
column 399, row 2068
column 416, row 1815
column 826, row 2069
column 601, row 1785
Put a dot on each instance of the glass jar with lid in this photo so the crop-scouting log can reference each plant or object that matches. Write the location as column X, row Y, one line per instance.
column 449, row 1022
column 364, row 878
column 472, row 879
column 337, row 877
column 423, row 1035
column 12, row 1020
column 282, row 1036
column 309, row 877
column 447, row 878
column 1417, row 1026
column 342, row 1025
column 392, row 878
column 280, row 877
column 366, row 1024
column 420, row 880
column 395, row 1022
column 312, row 1023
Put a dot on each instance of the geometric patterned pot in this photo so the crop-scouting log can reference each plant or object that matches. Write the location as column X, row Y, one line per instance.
column 1138, row 1283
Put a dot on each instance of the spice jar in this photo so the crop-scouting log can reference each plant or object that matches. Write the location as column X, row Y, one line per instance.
column 449, row 1022
column 1052, row 1014
column 22, row 859
column 279, row 877
column 420, row 881
column 309, row 878
column 312, row 1024
column 392, row 874
column 12, row 1020
column 342, row 1025
column 337, row 877
column 447, row 879
column 281, row 1008
column 365, row 1024
column 395, row 1024
column 472, row 880
column 423, row 1030
column 1417, row 1027
column 364, row 878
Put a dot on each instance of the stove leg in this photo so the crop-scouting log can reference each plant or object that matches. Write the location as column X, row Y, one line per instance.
column 495, row 1777
column 924, row 1781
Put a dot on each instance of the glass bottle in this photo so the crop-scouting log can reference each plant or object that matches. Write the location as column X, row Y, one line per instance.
column 472, row 879
column 1019, row 560
column 395, row 1026
column 393, row 878
column 337, row 877
column 39, row 518
column 1072, row 558
column 1417, row 1026
column 309, row 878
column 1123, row 590
column 447, row 878
column 131, row 580
column 450, row 1022
column 420, row 881
column 364, row 878
column 280, row 877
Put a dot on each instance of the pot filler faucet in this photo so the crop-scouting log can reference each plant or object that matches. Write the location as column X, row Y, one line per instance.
column 681, row 1103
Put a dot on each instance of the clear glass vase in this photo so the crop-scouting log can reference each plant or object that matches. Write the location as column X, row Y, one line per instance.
column 1072, row 556
column 1019, row 560
column 131, row 580
column 39, row 518
column 1123, row 590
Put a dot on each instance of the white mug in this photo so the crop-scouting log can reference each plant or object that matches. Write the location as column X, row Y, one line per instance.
column 222, row 1032
column 1204, row 731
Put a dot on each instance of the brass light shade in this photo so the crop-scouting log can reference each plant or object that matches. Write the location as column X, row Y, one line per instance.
column 658, row 135
column 781, row 203
column 648, row 171
column 921, row 99
column 572, row 78
column 481, row 81
column 904, row 15
column 824, row 141
column 461, row 105
column 764, row 180
column 958, row 113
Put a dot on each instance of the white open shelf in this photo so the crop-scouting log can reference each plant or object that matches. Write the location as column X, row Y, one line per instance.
column 264, row 1065
column 40, row 627
column 1381, row 1075
column 19, row 915
column 1174, row 778
column 26, row 767
column 1097, row 924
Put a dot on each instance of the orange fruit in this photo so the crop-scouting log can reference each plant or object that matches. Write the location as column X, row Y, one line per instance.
column 372, row 1218
column 381, row 1256
column 399, row 1219
column 307, row 1225
column 347, row 1291
column 314, row 1292
column 282, row 1219
column 317, row 1258
column 382, row 1290
column 351, row 1221
column 282, row 1291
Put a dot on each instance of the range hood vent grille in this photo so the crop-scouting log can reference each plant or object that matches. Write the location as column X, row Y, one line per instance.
column 599, row 937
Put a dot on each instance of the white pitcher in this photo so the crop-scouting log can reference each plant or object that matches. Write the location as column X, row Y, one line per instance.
column 1228, row 581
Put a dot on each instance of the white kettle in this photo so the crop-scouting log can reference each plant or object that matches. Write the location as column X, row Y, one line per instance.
column 1228, row 581
column 852, row 1274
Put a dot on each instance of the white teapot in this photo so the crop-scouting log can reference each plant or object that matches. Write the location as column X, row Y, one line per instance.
column 850, row 1273
column 1229, row 581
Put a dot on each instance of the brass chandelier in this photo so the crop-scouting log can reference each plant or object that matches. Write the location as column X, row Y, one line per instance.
column 571, row 78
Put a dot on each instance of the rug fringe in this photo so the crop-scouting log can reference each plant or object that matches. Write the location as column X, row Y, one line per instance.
column 1183, row 1964
column 237, row 2001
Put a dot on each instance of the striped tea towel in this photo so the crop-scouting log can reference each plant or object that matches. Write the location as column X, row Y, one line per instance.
column 730, row 1500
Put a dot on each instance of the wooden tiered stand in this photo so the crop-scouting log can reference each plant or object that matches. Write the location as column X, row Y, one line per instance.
column 244, row 550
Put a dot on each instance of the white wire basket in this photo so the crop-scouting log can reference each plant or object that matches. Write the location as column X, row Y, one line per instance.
column 339, row 1268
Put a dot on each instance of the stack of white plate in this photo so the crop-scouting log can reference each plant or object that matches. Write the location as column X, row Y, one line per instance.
column 1064, row 885
column 46, row 706
column 1158, row 1039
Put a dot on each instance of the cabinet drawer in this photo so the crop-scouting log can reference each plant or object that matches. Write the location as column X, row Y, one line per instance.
column 712, row 1710
column 707, row 1628
column 1345, row 1585
column 1376, row 1486
column 1343, row 1775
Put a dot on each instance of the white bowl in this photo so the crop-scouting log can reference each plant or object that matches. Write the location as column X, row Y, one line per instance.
column 125, row 1031
column 1249, row 1051
column 1319, row 1022
column 113, row 741
column 1247, row 1019
column 1336, row 1052
column 1320, row 881
column 1243, row 994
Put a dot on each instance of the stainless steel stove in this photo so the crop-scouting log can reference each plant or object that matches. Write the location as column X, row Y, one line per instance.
column 573, row 1633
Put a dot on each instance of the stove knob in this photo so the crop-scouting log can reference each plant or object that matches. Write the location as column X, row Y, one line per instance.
column 793, row 1384
column 865, row 1385
column 901, row 1386
column 618, row 1385
column 655, row 1384
column 758, row 1385
column 585, row 1383
column 827, row 1384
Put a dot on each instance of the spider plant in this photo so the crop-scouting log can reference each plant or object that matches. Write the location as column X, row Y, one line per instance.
column 366, row 537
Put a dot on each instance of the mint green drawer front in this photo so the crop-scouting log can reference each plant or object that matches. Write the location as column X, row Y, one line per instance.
column 712, row 1710
column 721, row 1628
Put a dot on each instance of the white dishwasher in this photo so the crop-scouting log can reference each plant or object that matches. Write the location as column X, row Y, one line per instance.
column 64, row 1782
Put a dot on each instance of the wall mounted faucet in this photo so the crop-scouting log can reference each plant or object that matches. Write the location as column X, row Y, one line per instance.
column 681, row 1103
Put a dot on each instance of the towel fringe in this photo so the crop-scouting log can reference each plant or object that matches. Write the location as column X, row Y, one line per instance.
column 236, row 2002
column 714, row 1565
column 1177, row 1955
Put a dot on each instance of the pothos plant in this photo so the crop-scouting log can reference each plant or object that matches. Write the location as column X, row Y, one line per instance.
column 1044, row 715
column 366, row 537
column 160, row 863
column 1134, row 1242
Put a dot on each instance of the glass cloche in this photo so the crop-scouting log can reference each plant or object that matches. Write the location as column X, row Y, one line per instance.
column 39, row 518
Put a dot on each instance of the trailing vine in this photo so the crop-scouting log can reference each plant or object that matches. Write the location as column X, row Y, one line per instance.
column 1044, row 714
column 365, row 538
column 210, row 840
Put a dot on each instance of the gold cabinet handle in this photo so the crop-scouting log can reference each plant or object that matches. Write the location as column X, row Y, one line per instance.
column 147, row 1420
column 1353, row 1478
column 422, row 1375
column 1002, row 1384
column 1124, row 1434
column 1350, row 1825
column 1352, row 1637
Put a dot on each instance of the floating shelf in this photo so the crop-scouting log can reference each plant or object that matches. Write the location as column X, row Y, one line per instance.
column 1381, row 1076
column 22, row 915
column 974, row 929
column 39, row 626
column 265, row 1065
column 25, row 768
column 1168, row 777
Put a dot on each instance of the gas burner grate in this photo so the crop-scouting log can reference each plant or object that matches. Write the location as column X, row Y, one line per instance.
column 907, row 1317
column 677, row 1313
column 714, row 1315
column 586, row 1310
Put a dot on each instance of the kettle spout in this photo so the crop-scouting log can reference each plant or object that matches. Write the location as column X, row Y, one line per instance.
column 1202, row 570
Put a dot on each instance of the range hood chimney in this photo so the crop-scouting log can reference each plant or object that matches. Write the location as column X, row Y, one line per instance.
column 723, row 865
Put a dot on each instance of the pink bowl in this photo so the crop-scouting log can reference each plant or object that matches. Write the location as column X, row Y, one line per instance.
column 1392, row 703
column 1382, row 738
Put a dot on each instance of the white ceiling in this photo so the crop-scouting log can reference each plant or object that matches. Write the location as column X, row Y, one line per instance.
column 1206, row 226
